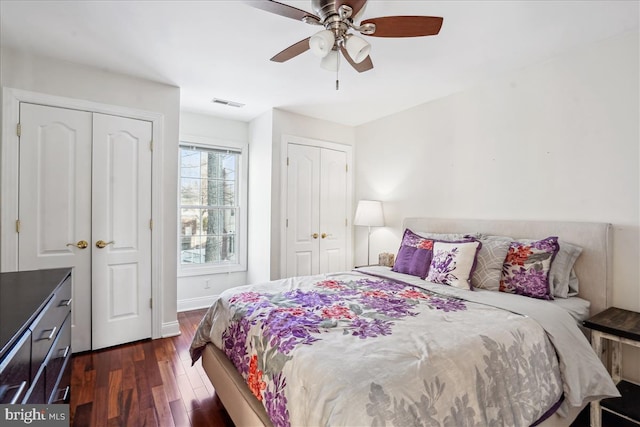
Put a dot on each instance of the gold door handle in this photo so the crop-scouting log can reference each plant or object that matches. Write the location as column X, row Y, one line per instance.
column 314, row 235
column 102, row 244
column 325, row 235
column 82, row 244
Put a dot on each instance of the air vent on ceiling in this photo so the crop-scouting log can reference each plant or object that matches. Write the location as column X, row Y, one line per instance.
column 226, row 102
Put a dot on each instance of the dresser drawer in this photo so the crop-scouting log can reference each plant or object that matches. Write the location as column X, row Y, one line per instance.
column 60, row 353
column 47, row 326
column 14, row 371
column 62, row 392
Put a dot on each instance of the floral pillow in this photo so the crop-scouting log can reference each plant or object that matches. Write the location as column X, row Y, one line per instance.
column 562, row 278
column 414, row 255
column 453, row 263
column 526, row 268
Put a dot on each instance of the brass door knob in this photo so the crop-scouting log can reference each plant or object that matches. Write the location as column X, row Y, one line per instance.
column 102, row 244
column 314, row 235
column 82, row 244
column 323, row 235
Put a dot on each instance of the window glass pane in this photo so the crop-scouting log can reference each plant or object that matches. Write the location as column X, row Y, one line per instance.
column 212, row 193
column 190, row 191
column 190, row 222
column 208, row 198
column 190, row 251
column 209, row 221
column 219, row 248
column 230, row 196
column 220, row 193
column 229, row 166
column 189, row 163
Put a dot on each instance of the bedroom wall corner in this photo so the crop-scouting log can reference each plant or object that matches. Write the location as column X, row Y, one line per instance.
column 260, row 198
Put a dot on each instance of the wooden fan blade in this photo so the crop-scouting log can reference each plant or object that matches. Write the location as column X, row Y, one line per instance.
column 281, row 9
column 363, row 66
column 405, row 26
column 292, row 51
column 356, row 5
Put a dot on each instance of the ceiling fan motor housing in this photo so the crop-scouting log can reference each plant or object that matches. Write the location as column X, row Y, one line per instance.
column 324, row 8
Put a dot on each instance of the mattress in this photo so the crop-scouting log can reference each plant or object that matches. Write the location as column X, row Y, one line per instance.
column 375, row 347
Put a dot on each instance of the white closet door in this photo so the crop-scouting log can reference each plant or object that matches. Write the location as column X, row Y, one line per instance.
column 68, row 200
column 121, row 214
column 55, row 202
column 333, row 211
column 303, row 210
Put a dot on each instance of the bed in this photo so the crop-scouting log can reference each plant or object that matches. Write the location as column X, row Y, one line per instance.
column 486, row 352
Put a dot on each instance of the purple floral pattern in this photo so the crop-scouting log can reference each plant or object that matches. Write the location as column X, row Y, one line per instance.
column 442, row 266
column 526, row 269
column 453, row 263
column 266, row 328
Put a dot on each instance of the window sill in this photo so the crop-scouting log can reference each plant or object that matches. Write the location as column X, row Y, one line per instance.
column 210, row 270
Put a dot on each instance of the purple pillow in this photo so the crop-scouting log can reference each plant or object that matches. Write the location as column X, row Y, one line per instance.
column 414, row 255
column 526, row 268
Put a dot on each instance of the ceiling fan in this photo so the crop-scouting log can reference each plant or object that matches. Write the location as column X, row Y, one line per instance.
column 338, row 17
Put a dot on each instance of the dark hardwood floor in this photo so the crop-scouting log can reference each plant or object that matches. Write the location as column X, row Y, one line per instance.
column 146, row 383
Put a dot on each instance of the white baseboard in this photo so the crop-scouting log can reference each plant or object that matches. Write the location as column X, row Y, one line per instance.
column 170, row 329
column 196, row 303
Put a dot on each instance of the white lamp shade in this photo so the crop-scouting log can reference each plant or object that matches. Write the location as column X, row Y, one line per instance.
column 330, row 62
column 369, row 213
column 321, row 43
column 357, row 48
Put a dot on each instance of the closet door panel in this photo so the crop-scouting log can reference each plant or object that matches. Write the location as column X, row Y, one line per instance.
column 303, row 184
column 333, row 211
column 121, row 215
column 55, row 202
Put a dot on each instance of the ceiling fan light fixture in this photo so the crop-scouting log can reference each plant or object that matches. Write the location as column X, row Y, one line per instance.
column 357, row 48
column 330, row 62
column 322, row 43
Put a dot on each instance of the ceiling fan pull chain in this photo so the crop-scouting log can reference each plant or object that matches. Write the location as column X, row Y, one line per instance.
column 337, row 71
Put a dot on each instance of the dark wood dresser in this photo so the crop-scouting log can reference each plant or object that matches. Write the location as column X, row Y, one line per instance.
column 35, row 336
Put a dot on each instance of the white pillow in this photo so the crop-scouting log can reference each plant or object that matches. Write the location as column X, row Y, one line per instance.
column 453, row 263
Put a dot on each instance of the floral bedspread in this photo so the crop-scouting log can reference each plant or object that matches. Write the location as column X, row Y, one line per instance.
column 353, row 349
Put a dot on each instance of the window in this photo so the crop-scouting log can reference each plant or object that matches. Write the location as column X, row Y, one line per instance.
column 212, row 208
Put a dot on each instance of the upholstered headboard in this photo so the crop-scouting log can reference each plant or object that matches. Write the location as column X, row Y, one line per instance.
column 593, row 267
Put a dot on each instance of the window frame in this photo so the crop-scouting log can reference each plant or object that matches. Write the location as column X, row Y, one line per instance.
column 208, row 143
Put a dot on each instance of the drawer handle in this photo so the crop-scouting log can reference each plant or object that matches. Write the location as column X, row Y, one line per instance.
column 51, row 335
column 64, row 396
column 65, row 350
column 19, row 388
column 65, row 302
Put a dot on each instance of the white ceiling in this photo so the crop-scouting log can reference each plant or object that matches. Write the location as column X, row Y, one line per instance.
column 222, row 49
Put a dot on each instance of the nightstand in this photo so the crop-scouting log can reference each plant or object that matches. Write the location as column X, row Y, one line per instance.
column 619, row 327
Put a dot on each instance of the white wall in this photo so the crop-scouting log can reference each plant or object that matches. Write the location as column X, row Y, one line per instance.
column 39, row 74
column 557, row 141
column 286, row 123
column 199, row 291
column 260, row 173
